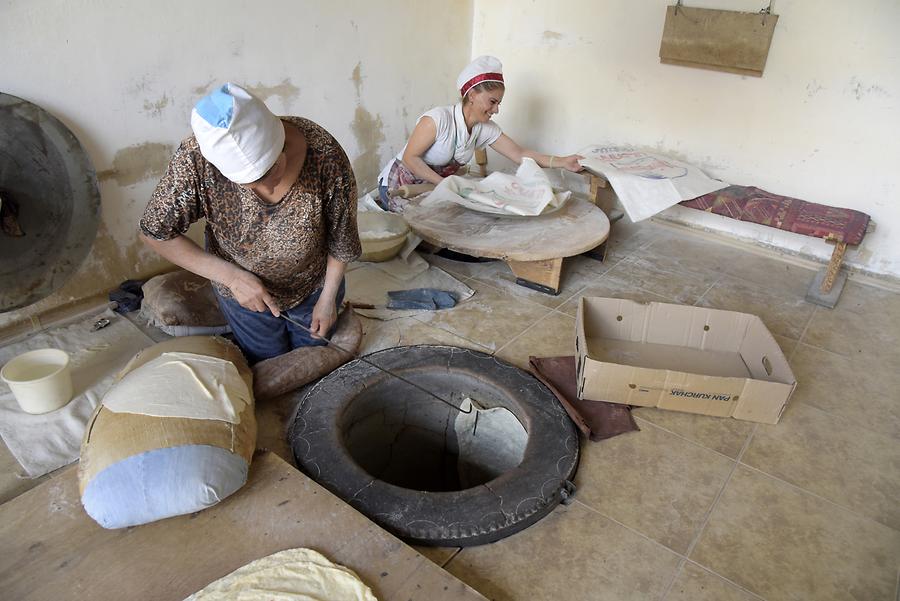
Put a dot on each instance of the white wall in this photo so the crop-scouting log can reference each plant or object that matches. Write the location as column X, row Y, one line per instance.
column 123, row 77
column 822, row 124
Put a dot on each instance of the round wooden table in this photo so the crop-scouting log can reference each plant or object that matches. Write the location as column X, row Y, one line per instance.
column 533, row 247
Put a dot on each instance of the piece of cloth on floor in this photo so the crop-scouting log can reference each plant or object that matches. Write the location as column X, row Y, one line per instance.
column 403, row 268
column 426, row 299
column 747, row 203
column 43, row 443
column 128, row 296
column 646, row 182
column 368, row 285
column 289, row 574
column 527, row 193
column 597, row 420
column 280, row 375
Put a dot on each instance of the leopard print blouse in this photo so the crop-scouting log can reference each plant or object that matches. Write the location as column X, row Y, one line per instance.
column 285, row 244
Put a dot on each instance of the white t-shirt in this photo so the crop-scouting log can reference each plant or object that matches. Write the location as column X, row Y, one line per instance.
column 452, row 140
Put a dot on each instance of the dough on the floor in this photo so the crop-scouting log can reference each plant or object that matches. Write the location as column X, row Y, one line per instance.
column 291, row 575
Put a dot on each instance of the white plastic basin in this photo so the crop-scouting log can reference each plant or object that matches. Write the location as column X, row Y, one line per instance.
column 40, row 380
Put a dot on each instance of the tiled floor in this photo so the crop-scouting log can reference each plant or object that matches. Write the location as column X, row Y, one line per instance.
column 692, row 507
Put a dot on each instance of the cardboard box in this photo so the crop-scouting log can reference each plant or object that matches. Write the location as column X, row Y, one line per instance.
column 692, row 359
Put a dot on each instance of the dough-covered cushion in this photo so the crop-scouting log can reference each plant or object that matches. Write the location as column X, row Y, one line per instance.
column 181, row 303
column 148, row 460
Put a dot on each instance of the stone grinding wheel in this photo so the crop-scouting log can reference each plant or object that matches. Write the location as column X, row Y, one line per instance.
column 47, row 176
column 358, row 397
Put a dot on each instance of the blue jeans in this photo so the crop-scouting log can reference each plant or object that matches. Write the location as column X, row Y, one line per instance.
column 383, row 198
column 263, row 336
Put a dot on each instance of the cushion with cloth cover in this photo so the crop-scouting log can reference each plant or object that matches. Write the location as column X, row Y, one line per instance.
column 174, row 435
column 181, row 303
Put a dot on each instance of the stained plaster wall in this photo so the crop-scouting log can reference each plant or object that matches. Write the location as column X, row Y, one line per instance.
column 124, row 76
column 823, row 123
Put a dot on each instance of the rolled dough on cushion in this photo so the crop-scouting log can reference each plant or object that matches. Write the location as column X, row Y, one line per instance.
column 284, row 373
column 291, row 575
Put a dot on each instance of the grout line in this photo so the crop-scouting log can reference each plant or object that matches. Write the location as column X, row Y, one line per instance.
column 629, row 528
column 709, row 511
column 453, row 556
column 834, row 504
column 808, row 321
column 700, row 298
column 678, row 569
column 681, row 436
column 897, row 595
column 523, row 332
column 715, row 502
column 728, row 580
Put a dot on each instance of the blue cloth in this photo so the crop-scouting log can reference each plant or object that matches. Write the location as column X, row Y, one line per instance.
column 384, row 201
column 163, row 483
column 428, row 299
column 217, row 108
column 263, row 336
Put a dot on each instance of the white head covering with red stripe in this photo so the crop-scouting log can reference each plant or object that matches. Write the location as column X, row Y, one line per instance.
column 482, row 69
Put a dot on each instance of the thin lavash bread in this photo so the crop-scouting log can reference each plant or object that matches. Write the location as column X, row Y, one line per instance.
column 174, row 435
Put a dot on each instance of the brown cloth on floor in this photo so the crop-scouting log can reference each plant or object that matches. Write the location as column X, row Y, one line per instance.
column 284, row 373
column 598, row 420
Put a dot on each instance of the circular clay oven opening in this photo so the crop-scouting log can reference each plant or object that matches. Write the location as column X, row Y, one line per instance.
column 495, row 458
column 406, row 437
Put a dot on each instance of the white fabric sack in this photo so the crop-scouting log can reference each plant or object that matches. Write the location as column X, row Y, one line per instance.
column 527, row 193
column 645, row 182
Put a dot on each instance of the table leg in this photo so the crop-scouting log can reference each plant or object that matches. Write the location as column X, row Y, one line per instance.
column 542, row 276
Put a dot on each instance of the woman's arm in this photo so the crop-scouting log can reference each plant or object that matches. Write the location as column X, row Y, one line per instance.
column 508, row 148
column 420, row 141
column 325, row 311
column 247, row 289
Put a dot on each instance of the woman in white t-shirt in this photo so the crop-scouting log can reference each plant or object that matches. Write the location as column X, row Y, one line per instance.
column 446, row 137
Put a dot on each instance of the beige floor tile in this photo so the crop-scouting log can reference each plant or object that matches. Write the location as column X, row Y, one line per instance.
column 771, row 274
column 859, row 389
column 787, row 344
column 725, row 435
column 613, row 287
column 696, row 584
column 490, row 318
column 438, row 555
column 690, row 253
column 784, row 315
column 845, row 463
column 625, row 237
column 865, row 321
column 552, row 336
column 572, row 554
column 379, row 335
column 652, row 481
column 662, row 276
column 782, row 543
column 577, row 273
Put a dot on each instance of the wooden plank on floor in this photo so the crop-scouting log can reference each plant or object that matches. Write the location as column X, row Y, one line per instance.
column 52, row 550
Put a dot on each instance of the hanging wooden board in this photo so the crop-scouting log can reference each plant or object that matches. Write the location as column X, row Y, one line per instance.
column 722, row 40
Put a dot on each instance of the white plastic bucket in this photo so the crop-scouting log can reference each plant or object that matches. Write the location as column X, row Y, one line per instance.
column 40, row 380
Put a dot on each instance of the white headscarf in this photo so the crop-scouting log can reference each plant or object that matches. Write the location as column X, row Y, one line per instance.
column 237, row 133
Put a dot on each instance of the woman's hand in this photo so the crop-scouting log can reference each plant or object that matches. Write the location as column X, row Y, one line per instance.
column 324, row 315
column 250, row 293
column 570, row 163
